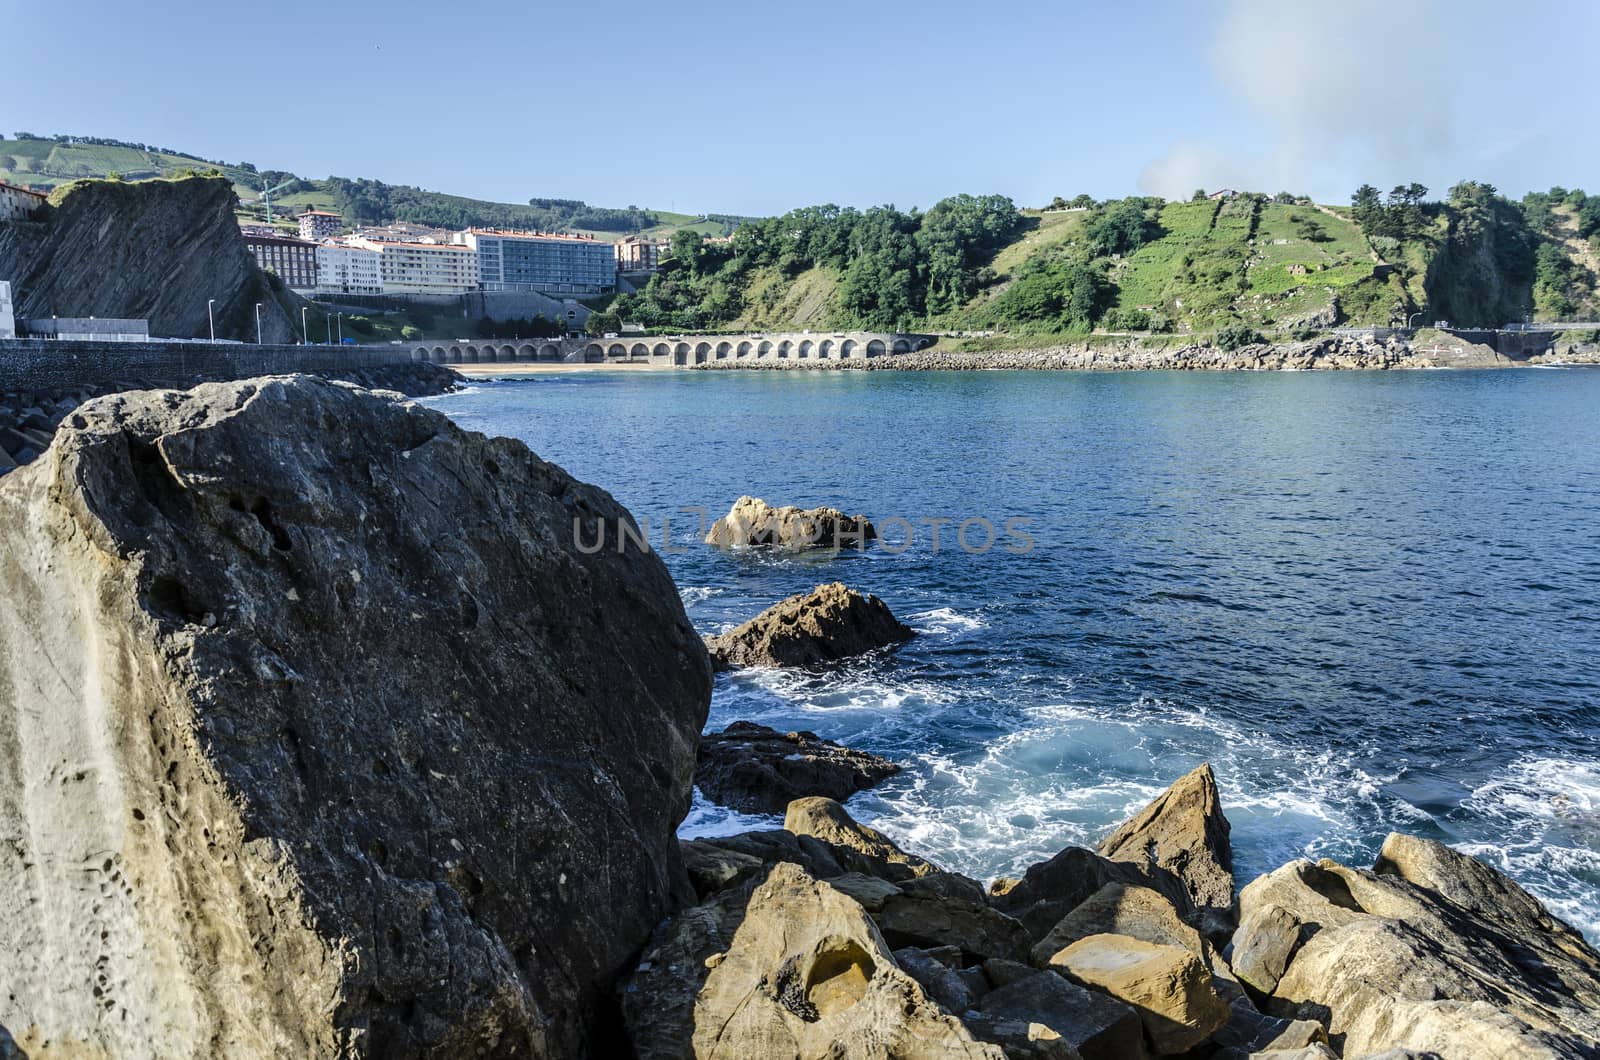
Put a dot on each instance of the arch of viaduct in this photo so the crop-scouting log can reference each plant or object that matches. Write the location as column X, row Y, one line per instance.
column 676, row 351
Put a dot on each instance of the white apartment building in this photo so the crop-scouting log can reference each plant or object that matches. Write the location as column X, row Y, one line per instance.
column 425, row 268
column 343, row 269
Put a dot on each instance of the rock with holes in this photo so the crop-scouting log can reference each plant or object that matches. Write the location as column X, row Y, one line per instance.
column 320, row 736
column 829, row 623
column 1431, row 951
column 753, row 523
column 754, row 769
column 782, row 966
column 1183, row 832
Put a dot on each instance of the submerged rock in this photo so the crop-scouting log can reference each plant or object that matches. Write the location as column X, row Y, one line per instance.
column 753, row 523
column 307, row 749
column 783, row 967
column 754, row 769
column 1430, row 951
column 829, row 623
column 1183, row 832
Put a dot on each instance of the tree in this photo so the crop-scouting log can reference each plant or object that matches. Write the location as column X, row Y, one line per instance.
column 600, row 324
column 1121, row 229
column 1366, row 206
column 688, row 248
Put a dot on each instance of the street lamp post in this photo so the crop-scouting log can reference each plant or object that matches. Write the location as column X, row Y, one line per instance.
column 305, row 333
column 211, row 317
column 338, row 323
column 258, row 323
column 1412, row 317
column 328, row 320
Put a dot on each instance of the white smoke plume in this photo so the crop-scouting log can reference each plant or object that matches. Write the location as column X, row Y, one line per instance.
column 1336, row 86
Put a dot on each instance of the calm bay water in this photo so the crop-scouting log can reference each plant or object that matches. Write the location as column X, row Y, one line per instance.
column 1368, row 599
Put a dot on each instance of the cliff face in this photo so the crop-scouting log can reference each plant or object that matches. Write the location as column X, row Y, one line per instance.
column 319, row 735
column 155, row 250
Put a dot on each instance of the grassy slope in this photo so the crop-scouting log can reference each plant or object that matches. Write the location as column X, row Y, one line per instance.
column 49, row 164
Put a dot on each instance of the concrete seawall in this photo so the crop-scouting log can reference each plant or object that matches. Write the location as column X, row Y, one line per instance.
column 42, row 364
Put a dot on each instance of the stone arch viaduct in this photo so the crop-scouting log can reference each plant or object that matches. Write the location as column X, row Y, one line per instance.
column 675, row 350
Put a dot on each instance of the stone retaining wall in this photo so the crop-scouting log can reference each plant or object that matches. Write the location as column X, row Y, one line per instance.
column 42, row 364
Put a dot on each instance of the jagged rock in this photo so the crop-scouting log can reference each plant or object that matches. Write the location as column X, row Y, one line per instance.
column 155, row 250
column 1432, row 951
column 1138, row 912
column 782, row 967
column 829, row 623
column 823, row 860
column 308, row 750
column 1168, row 986
column 712, row 868
column 1021, row 1038
column 1095, row 1026
column 754, row 769
column 752, row 522
column 1184, row 832
column 1248, row 1032
column 826, row 820
column 1321, row 1051
column 1051, row 889
column 938, row 911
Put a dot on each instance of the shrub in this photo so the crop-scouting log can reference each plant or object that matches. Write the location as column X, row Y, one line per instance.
column 1235, row 335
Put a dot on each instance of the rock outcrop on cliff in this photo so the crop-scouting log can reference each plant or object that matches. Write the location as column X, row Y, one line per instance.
column 829, row 623
column 755, row 769
column 155, row 250
column 753, row 523
column 320, row 736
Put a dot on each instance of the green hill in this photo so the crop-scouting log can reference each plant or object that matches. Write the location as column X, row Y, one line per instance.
column 1279, row 266
column 48, row 162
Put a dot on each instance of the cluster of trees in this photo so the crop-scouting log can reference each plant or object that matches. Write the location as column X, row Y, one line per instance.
column 1401, row 216
column 364, row 201
column 894, row 267
column 1540, row 209
column 1078, row 202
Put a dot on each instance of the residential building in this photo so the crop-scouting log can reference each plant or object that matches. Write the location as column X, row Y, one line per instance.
column 18, row 204
column 345, row 269
column 293, row 260
column 8, row 319
column 640, row 254
column 542, row 261
column 317, row 225
column 425, row 268
column 406, row 232
column 248, row 228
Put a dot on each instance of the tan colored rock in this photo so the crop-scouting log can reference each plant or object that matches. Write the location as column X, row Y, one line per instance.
column 797, row 969
column 752, row 522
column 1433, row 952
column 829, row 623
column 826, row 820
column 1184, row 832
column 1051, row 889
column 1168, row 986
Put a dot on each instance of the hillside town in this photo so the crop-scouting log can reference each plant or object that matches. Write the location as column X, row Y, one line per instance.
column 408, row 259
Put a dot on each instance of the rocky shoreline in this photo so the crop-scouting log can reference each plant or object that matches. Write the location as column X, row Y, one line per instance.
column 321, row 735
column 1329, row 353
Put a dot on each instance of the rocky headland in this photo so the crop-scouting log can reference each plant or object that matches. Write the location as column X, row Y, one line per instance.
column 320, row 736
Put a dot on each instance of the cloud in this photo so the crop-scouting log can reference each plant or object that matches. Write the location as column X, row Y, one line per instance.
column 1369, row 85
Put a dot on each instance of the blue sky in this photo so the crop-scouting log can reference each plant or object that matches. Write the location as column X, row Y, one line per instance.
column 759, row 107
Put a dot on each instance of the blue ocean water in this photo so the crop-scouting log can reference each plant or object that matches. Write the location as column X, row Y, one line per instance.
column 1367, row 598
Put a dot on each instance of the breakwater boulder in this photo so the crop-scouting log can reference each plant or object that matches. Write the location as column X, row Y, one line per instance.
column 753, row 523
column 829, row 623
column 319, row 735
column 1431, row 954
column 755, row 769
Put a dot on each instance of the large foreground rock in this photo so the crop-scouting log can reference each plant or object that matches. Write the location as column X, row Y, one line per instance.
column 783, row 967
column 1183, row 832
column 753, row 523
column 829, row 623
column 1168, row 986
column 318, row 735
column 755, row 769
column 1430, row 951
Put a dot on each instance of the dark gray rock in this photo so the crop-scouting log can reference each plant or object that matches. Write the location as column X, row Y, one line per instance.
column 754, row 769
column 322, row 737
column 1098, row 1027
